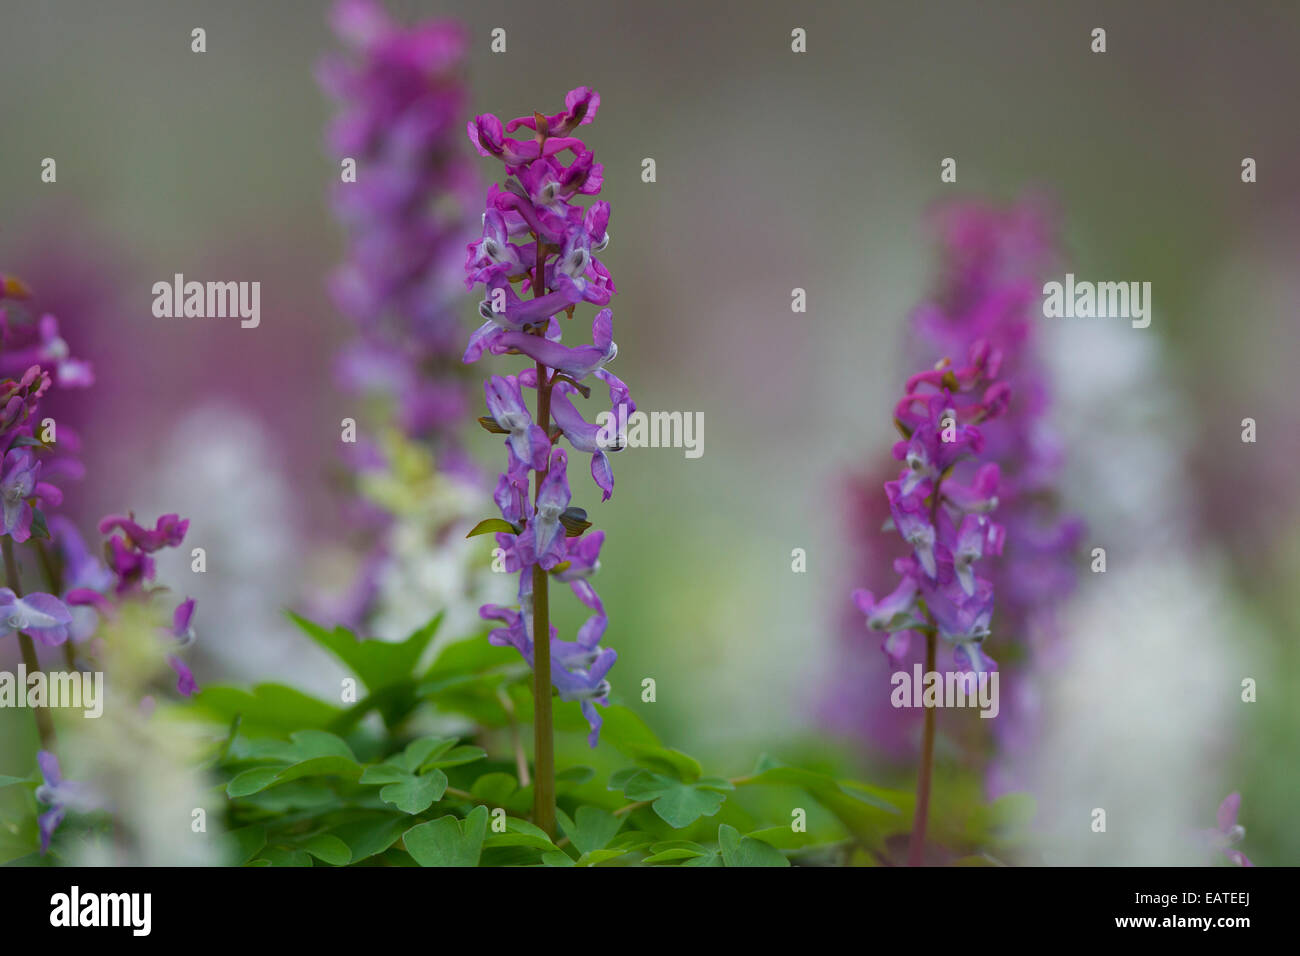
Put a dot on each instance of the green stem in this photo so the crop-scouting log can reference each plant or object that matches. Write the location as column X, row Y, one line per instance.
column 543, row 718
column 921, row 813
column 44, row 724
column 916, row 850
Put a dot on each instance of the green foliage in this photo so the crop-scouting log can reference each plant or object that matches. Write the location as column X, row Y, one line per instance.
column 310, row 783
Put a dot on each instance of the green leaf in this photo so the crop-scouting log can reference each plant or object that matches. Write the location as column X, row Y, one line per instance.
column 864, row 810
column 592, row 829
column 246, row 843
column 12, row 781
column 283, row 856
column 371, row 834
column 448, row 841
column 383, row 773
column 420, row 751
column 268, row 708
column 746, row 851
column 379, row 664
column 683, row 804
column 39, row 529
column 314, row 753
column 673, row 856
column 491, row 526
column 252, row 781
column 678, row 804
column 520, row 833
column 499, row 790
column 329, row 849
column 574, row 776
column 783, row 838
column 415, row 794
column 455, row 757
column 631, row 736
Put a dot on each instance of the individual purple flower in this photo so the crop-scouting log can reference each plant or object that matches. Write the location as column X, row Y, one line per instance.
column 895, row 611
column 185, row 684
column 60, row 796
column 580, row 106
column 588, row 686
column 21, row 491
column 577, row 361
column 133, row 568
column 182, row 622
column 542, row 542
column 1229, row 832
column 528, row 443
column 42, row 616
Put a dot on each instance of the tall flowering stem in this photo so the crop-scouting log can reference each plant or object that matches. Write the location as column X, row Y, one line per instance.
column 536, row 236
column 940, row 596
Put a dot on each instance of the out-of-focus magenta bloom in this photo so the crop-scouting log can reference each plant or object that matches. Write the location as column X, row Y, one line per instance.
column 1229, row 832
column 169, row 532
column 185, row 683
column 42, row 345
column 18, row 400
column 536, row 236
column 129, row 561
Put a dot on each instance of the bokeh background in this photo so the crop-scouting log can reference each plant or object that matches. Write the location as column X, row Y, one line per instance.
column 775, row 170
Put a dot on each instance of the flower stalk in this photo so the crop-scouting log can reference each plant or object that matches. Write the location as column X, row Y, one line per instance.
column 940, row 506
column 536, row 237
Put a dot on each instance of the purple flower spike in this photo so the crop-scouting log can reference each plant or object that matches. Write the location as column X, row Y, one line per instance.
column 536, row 263
column 946, row 538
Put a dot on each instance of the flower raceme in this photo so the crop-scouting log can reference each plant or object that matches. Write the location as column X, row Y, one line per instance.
column 944, row 520
column 536, row 261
